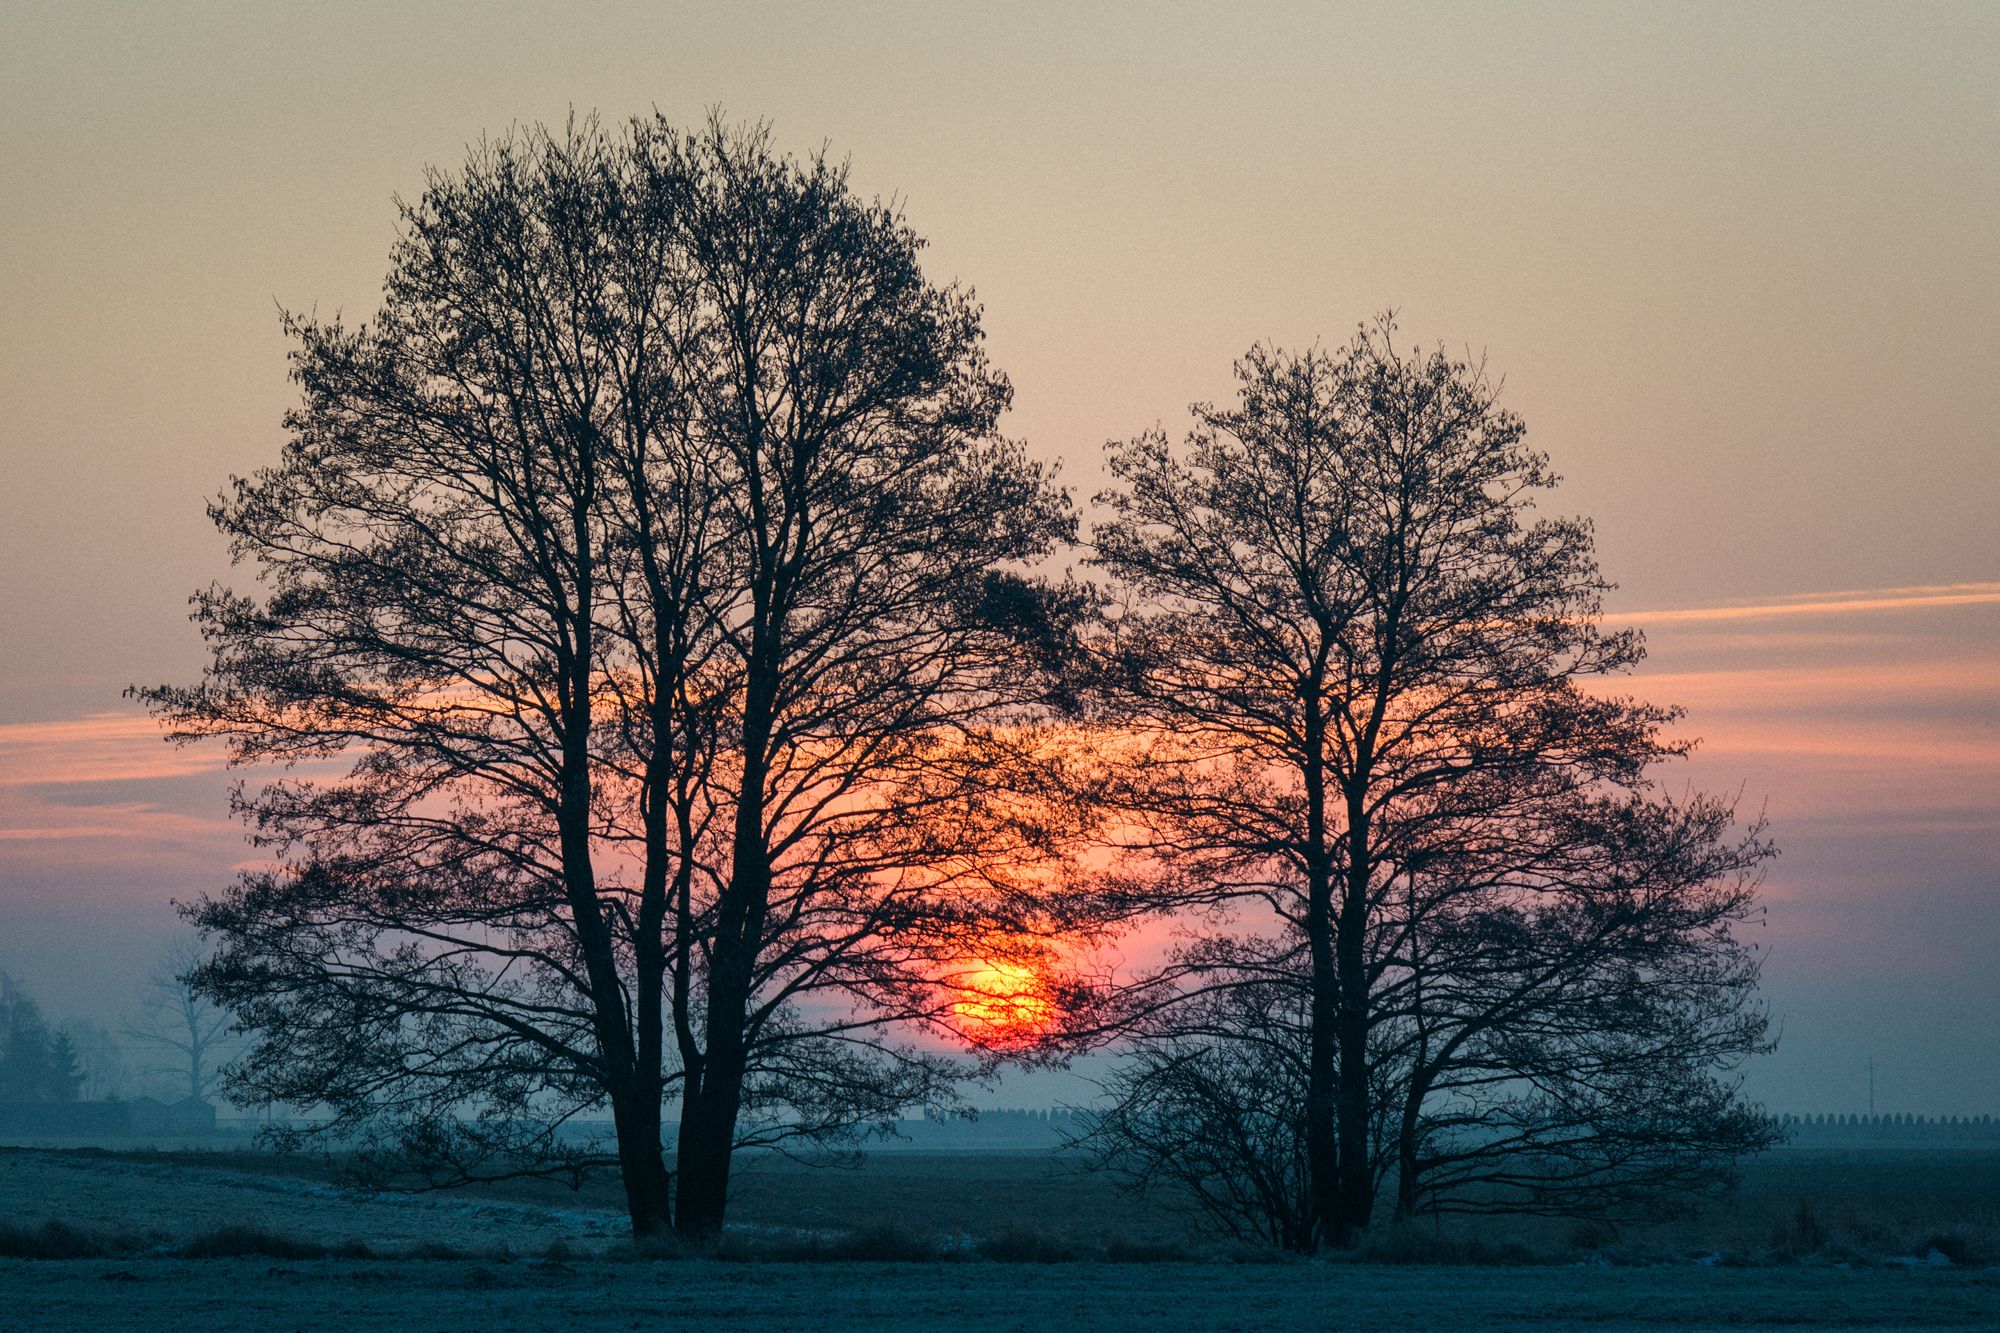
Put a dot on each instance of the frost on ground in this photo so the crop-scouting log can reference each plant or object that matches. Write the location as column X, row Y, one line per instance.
column 173, row 1200
column 976, row 1298
column 532, row 1265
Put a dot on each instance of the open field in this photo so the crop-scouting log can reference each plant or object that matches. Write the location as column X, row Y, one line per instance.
column 289, row 1248
column 975, row 1298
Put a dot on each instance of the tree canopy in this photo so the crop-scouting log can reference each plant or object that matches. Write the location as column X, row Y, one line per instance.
column 656, row 564
column 658, row 629
column 1473, row 942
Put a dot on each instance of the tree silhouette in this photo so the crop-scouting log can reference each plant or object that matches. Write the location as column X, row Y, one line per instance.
column 187, row 1033
column 1357, row 664
column 36, row 1063
column 656, row 561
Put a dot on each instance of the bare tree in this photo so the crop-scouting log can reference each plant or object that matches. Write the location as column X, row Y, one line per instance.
column 1358, row 666
column 656, row 558
column 1207, row 1111
column 187, row 1035
column 1567, row 1005
column 866, row 799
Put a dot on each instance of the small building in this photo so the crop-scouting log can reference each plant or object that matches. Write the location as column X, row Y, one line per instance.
column 189, row 1115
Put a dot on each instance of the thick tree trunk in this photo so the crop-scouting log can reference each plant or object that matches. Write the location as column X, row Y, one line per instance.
column 710, row 1105
column 1322, row 1103
column 1357, row 1180
column 1322, row 1059
column 707, row 1144
column 709, row 1108
column 642, row 1161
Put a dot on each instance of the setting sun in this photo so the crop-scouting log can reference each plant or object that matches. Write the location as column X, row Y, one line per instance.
column 1001, row 1001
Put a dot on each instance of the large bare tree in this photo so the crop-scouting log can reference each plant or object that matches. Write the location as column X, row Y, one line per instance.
column 1357, row 666
column 656, row 565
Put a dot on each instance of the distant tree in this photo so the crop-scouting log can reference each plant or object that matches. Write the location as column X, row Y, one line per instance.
column 36, row 1063
column 657, row 562
column 101, row 1057
column 1355, row 668
column 187, row 1035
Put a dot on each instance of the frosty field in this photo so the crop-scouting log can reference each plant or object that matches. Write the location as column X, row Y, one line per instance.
column 973, row 1298
column 528, row 1257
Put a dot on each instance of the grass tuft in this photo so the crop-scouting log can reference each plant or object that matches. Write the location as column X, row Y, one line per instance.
column 243, row 1242
column 57, row 1240
column 1411, row 1245
column 1954, row 1246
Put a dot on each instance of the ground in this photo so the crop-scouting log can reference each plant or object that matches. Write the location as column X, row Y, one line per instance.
column 529, row 1257
column 974, row 1298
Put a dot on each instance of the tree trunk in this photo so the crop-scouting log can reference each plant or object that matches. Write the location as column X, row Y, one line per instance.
column 1357, row 1181
column 641, row 1160
column 1322, row 1112
column 709, row 1107
column 1406, row 1153
column 1322, row 1108
column 707, row 1144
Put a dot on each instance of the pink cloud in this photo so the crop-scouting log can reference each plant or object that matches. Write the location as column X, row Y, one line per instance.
column 99, row 747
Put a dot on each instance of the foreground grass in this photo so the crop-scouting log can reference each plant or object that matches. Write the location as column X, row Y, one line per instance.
column 57, row 1240
column 1937, row 1208
column 966, row 1243
column 244, row 1294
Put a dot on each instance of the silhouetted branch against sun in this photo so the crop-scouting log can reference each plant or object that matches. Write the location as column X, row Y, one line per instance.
column 655, row 557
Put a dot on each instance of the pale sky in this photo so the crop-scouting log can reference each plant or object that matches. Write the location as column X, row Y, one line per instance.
column 1738, row 264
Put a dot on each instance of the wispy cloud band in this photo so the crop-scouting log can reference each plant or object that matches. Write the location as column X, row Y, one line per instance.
column 1828, row 603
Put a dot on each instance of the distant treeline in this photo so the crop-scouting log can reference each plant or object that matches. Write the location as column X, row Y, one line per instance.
column 112, row 1118
column 1900, row 1126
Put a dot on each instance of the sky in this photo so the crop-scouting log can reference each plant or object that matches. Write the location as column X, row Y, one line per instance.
column 1737, row 265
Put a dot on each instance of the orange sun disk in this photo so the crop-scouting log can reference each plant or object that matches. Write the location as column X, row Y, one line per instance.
column 1002, row 1001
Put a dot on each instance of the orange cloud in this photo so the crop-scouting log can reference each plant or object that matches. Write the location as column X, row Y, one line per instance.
column 1830, row 603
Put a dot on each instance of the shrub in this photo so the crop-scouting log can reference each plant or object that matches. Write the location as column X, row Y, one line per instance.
column 878, row 1245
column 1411, row 1245
column 1122, row 1251
column 1020, row 1246
column 1953, row 1246
column 1805, row 1232
column 55, row 1240
column 241, row 1242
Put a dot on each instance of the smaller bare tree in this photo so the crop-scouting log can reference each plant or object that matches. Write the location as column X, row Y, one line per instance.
column 188, row 1037
column 1204, row 1115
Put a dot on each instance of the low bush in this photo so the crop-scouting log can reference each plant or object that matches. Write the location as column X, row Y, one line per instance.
column 59, row 1240
column 249, row 1242
column 1411, row 1245
column 1121, row 1251
column 1954, row 1246
column 1804, row 1232
column 1019, row 1246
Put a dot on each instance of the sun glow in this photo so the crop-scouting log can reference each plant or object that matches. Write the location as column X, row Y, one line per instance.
column 1001, row 1002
